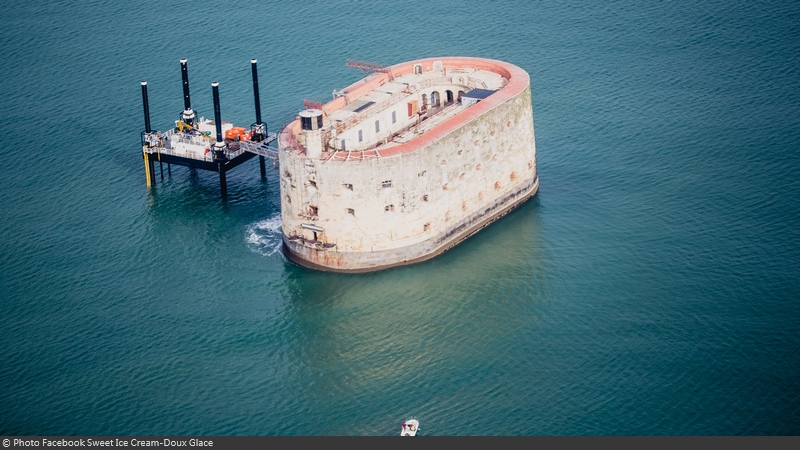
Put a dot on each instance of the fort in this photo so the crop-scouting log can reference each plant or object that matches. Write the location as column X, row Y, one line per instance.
column 406, row 163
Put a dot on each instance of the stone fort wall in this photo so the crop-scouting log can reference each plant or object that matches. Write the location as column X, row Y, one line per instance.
column 412, row 203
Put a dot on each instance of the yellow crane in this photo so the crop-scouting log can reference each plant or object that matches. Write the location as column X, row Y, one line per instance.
column 182, row 126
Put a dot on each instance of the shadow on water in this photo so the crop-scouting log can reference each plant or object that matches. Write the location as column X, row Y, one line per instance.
column 432, row 340
column 189, row 191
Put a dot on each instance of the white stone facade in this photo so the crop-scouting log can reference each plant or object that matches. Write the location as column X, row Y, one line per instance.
column 412, row 188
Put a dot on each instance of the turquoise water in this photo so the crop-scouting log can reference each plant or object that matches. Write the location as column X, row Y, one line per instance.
column 651, row 287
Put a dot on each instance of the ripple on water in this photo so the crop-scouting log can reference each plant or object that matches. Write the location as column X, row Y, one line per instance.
column 264, row 237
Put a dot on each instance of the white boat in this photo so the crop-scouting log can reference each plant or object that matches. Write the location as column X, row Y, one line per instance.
column 410, row 427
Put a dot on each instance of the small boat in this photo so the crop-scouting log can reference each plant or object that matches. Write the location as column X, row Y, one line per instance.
column 410, row 427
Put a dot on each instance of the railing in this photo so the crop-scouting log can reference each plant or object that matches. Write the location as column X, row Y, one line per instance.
column 262, row 147
column 344, row 155
column 156, row 144
column 396, row 98
column 428, row 82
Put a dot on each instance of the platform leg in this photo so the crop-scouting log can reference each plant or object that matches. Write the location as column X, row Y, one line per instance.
column 149, row 169
column 161, row 167
column 263, row 166
column 223, row 183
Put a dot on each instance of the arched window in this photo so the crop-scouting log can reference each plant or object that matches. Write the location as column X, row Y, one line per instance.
column 449, row 96
column 435, row 100
column 418, row 69
column 424, row 101
column 460, row 94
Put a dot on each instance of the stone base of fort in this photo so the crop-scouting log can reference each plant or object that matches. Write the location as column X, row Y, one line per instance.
column 357, row 262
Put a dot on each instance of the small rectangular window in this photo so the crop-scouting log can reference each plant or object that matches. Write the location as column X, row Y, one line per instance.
column 394, row 116
column 377, row 126
column 351, row 211
column 387, row 184
column 344, row 147
column 389, row 208
column 360, row 136
column 348, row 186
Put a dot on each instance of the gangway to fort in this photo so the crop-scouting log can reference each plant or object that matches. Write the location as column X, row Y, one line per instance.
column 199, row 143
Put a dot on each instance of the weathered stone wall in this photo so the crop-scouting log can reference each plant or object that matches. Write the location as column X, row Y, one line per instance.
column 387, row 211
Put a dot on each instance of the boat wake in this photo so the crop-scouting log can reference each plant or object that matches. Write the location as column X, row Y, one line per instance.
column 264, row 237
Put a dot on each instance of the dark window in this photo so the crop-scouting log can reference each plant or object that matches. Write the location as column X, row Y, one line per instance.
column 351, row 211
column 389, row 208
column 387, row 184
column 348, row 186
column 360, row 136
column 394, row 116
column 377, row 126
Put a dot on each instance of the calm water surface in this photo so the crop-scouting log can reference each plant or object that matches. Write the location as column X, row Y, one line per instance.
column 651, row 287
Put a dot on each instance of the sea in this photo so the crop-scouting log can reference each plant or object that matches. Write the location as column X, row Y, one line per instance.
column 651, row 287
